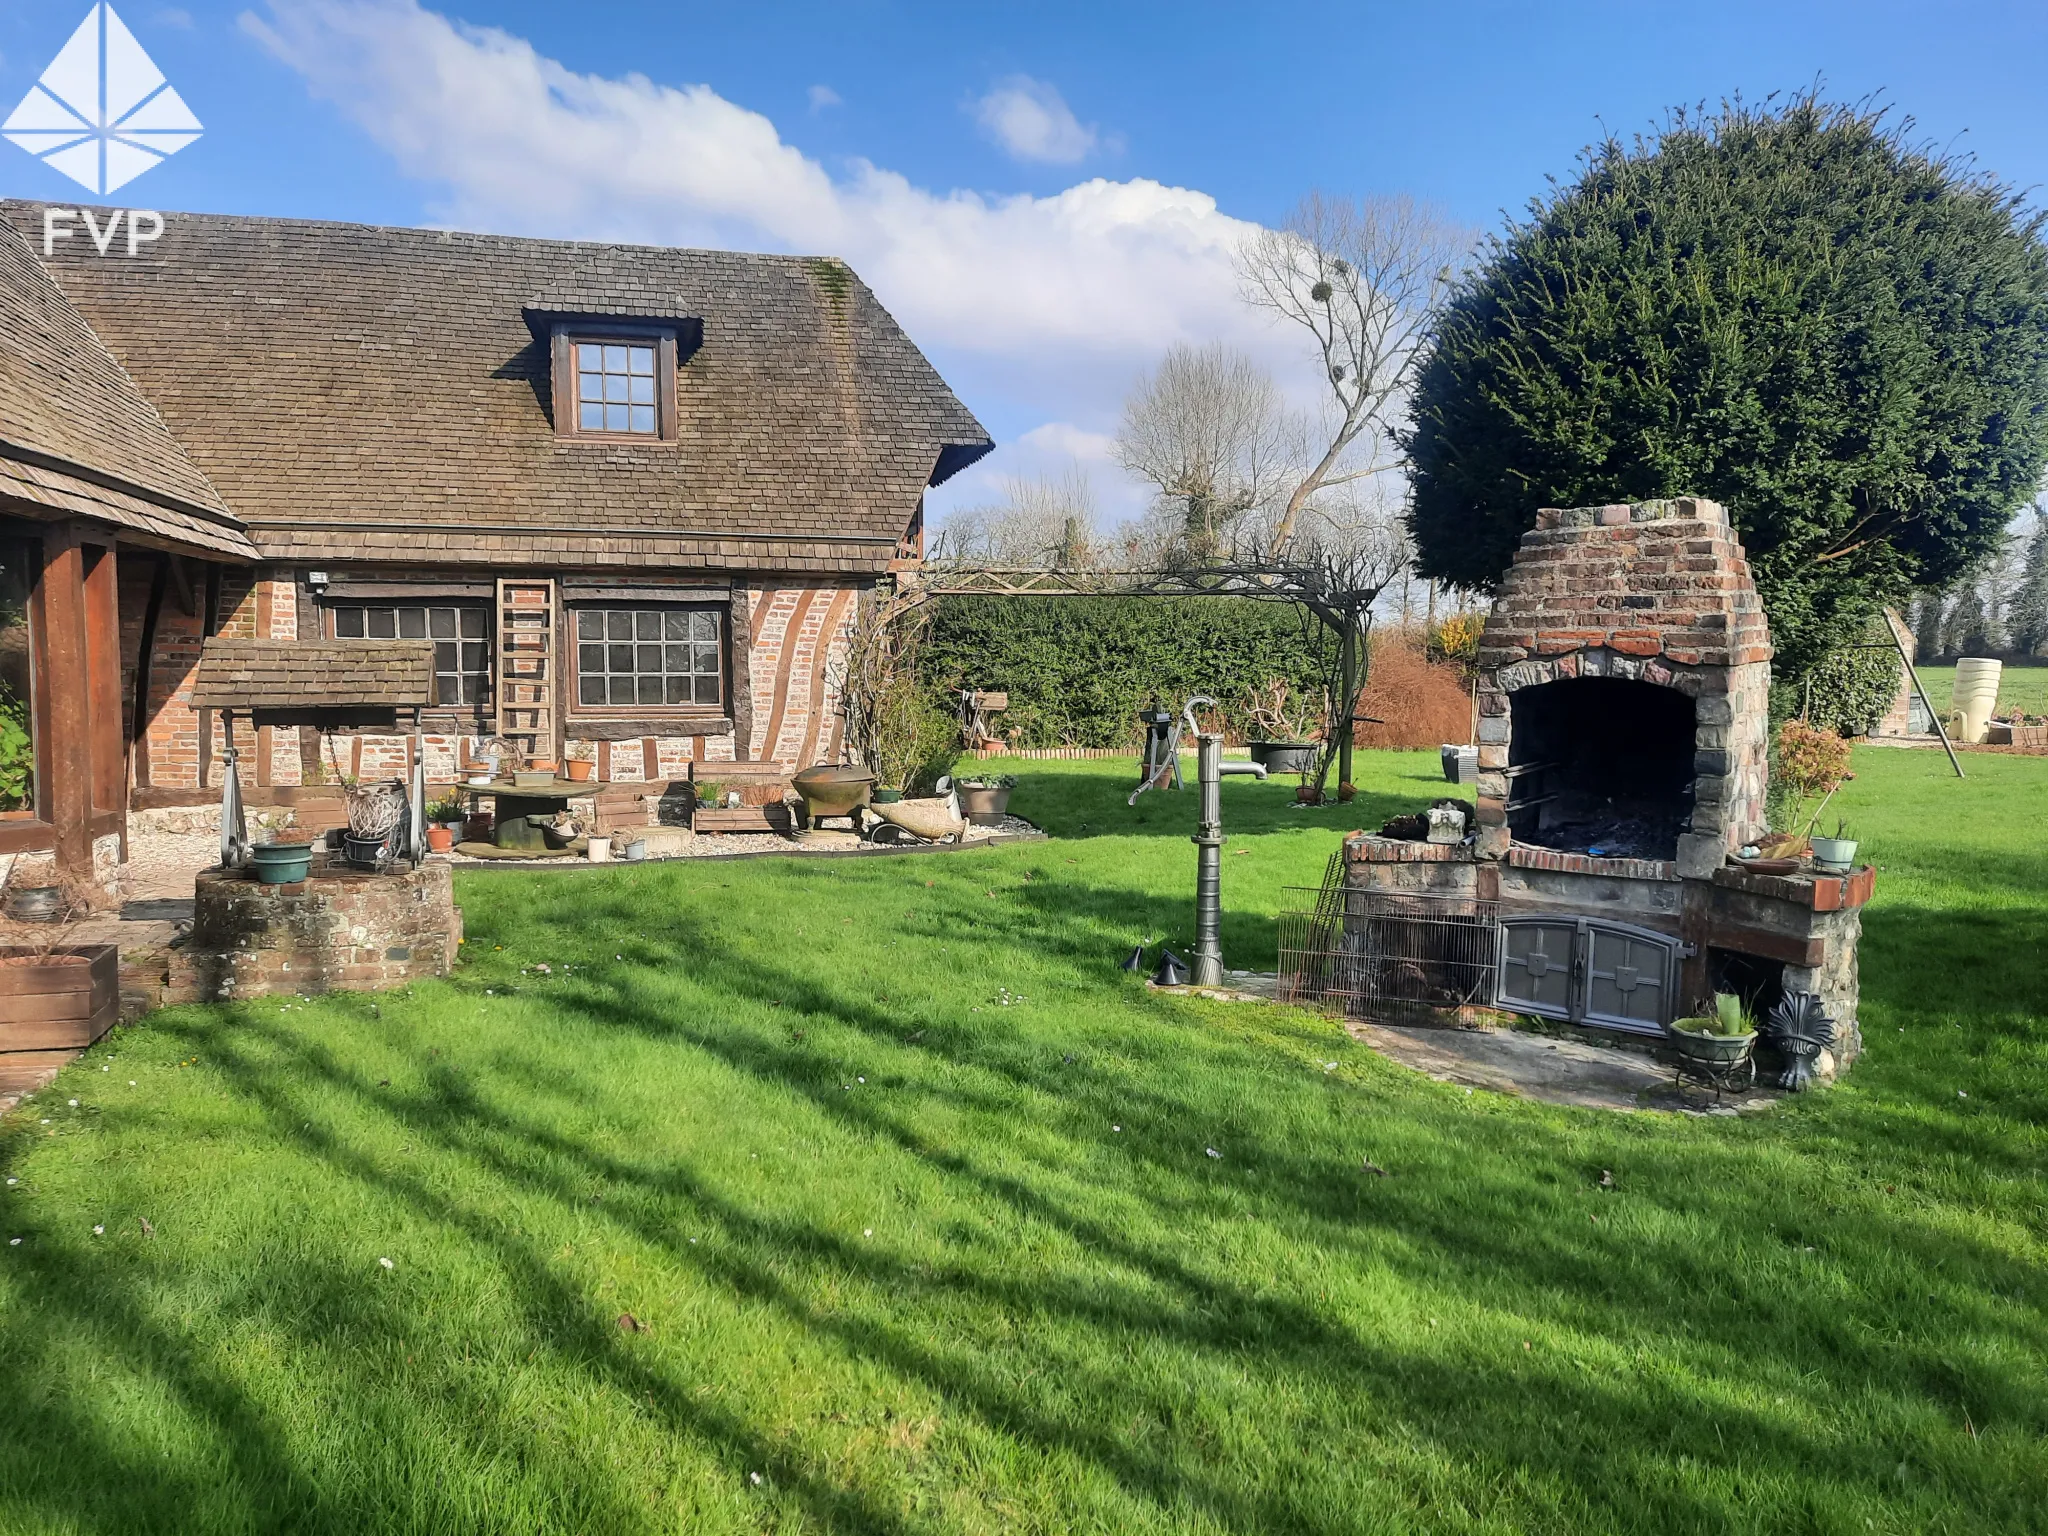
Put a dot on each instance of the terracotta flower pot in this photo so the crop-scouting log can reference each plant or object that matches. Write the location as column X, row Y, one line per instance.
column 440, row 839
column 578, row 770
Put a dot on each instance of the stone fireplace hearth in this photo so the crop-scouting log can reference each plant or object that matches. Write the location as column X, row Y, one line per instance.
column 1623, row 698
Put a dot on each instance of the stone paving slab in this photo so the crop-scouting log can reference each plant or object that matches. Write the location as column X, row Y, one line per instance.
column 1550, row 1070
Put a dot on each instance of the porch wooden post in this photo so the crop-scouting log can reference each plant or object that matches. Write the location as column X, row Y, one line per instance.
column 106, row 718
column 67, row 746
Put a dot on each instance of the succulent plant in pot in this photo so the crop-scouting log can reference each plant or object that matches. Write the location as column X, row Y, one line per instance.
column 1718, row 1039
column 985, row 798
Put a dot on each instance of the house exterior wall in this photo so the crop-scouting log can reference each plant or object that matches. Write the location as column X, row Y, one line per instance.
column 787, row 641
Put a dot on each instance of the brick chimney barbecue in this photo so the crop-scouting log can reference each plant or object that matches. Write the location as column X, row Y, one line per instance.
column 1624, row 735
column 1624, row 690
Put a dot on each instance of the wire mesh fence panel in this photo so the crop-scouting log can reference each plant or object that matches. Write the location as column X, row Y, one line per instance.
column 1395, row 957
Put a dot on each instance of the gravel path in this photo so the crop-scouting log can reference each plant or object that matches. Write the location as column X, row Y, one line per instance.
column 161, row 864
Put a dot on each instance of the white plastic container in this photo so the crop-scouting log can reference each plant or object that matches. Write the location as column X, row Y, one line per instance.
column 600, row 850
column 1976, row 694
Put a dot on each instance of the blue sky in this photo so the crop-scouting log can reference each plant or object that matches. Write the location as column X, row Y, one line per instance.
column 1045, row 194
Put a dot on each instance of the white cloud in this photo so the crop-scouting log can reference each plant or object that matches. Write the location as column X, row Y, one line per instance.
column 1078, row 443
column 1032, row 121
column 1050, row 451
column 823, row 96
column 1037, row 309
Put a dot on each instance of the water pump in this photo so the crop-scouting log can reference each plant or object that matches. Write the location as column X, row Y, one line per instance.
column 1208, row 841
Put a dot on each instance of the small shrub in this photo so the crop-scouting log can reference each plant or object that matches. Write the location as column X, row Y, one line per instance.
column 1420, row 703
column 1810, row 765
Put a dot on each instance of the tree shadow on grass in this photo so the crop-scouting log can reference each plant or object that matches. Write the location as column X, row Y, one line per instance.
column 1224, row 1321
column 1740, row 1295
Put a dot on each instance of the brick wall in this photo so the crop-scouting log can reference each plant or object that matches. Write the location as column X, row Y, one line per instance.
column 342, row 928
column 797, row 646
column 792, row 640
column 1656, row 592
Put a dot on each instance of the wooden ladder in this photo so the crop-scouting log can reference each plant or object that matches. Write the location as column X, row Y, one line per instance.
column 526, row 666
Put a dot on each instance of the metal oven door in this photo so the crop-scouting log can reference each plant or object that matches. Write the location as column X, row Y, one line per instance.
column 1628, row 977
column 1537, row 959
column 1587, row 971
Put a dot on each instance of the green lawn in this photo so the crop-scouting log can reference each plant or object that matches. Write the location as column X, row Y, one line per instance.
column 2018, row 687
column 913, row 1192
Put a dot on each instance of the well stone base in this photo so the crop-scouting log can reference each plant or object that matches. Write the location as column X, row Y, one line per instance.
column 340, row 928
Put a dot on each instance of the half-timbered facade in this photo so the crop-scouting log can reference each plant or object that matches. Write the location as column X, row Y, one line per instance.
column 631, row 494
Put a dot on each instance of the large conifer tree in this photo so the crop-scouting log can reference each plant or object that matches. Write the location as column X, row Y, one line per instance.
column 1792, row 310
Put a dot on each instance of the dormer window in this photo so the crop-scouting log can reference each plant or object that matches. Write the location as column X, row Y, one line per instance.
column 615, row 383
column 615, row 387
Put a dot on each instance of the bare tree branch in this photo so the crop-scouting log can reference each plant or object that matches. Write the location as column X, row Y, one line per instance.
column 1041, row 520
column 1361, row 277
column 1208, row 431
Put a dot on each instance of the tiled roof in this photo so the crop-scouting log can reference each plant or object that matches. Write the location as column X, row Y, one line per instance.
column 365, row 391
column 77, row 435
column 334, row 674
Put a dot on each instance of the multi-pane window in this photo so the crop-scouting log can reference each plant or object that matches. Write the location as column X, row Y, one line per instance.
column 615, row 387
column 666, row 656
column 461, row 636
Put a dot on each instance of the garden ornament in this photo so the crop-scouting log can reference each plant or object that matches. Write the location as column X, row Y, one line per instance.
column 1799, row 1029
column 1135, row 961
column 934, row 819
column 1172, row 972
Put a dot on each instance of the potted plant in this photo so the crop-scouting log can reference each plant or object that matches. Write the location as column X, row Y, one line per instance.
column 276, row 854
column 375, row 811
column 1715, row 1043
column 444, row 821
column 1812, row 764
column 1285, row 739
column 1835, row 855
column 985, row 798
column 580, row 768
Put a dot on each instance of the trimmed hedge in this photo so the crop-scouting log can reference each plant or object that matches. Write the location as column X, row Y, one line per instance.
column 1078, row 669
column 1850, row 689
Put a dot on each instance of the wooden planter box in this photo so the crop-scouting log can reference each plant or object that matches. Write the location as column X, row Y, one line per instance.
column 740, row 818
column 58, row 1007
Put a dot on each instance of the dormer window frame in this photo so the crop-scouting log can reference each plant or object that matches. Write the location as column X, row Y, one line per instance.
column 567, row 335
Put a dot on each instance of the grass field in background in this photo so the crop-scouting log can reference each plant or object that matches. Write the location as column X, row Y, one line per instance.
column 2018, row 687
column 869, row 1195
